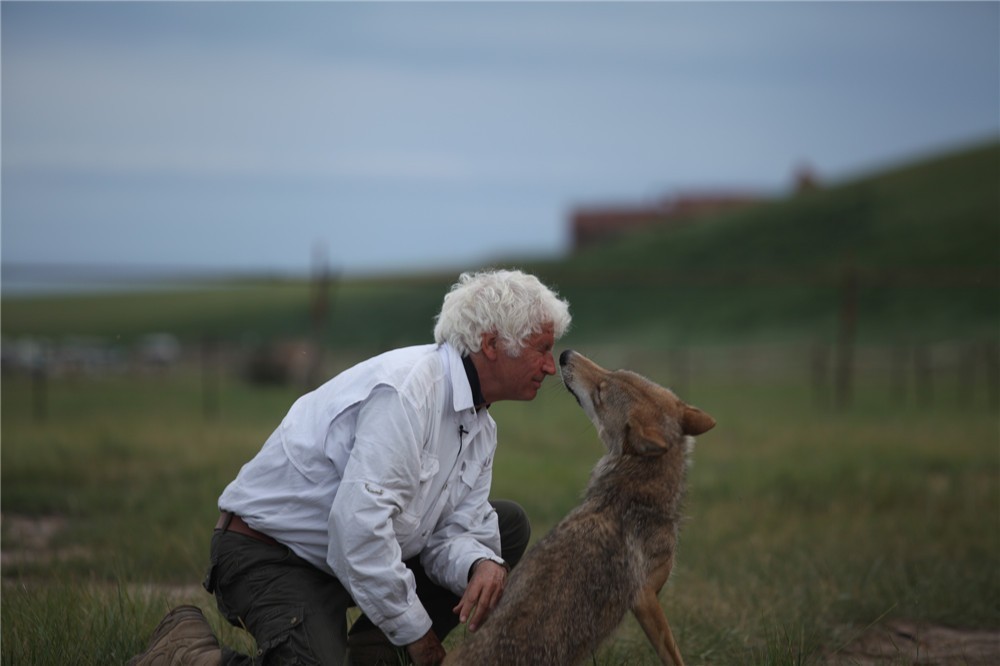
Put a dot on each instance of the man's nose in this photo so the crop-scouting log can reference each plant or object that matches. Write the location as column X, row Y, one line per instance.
column 549, row 367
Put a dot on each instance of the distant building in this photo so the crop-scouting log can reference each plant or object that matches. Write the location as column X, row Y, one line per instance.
column 594, row 224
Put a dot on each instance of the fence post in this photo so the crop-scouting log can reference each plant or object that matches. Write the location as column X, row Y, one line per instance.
column 210, row 378
column 922, row 363
column 843, row 379
column 966, row 376
column 820, row 375
column 897, row 374
column 319, row 313
column 40, row 392
column 991, row 352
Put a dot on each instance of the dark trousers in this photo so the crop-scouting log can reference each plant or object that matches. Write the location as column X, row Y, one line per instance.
column 298, row 614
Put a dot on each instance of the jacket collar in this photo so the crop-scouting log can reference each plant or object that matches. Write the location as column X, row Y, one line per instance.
column 461, row 384
column 473, row 375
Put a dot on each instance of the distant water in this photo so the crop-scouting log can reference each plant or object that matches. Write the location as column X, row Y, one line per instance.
column 19, row 288
column 20, row 281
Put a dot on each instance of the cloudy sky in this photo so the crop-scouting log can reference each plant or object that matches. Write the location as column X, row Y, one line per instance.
column 399, row 136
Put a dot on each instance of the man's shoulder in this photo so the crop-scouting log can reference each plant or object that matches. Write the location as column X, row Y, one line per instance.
column 405, row 360
column 407, row 369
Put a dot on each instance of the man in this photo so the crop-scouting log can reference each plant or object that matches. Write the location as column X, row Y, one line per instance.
column 373, row 492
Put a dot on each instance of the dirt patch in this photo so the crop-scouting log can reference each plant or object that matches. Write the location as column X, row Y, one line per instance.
column 31, row 532
column 174, row 594
column 28, row 540
column 906, row 642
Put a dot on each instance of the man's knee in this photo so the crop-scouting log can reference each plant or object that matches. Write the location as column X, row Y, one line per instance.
column 515, row 530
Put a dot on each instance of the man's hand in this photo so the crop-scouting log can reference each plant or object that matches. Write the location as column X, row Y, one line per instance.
column 483, row 593
column 426, row 651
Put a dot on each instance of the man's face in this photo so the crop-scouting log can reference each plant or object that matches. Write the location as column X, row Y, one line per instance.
column 520, row 377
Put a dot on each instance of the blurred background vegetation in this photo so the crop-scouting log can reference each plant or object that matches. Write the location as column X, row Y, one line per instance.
column 845, row 338
column 921, row 243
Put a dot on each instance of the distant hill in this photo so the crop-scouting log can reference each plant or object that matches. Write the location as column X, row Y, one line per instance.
column 920, row 244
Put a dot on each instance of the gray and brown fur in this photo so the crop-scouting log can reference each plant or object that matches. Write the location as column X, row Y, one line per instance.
column 614, row 552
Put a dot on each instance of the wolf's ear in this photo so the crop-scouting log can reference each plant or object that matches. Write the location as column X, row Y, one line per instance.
column 644, row 441
column 694, row 421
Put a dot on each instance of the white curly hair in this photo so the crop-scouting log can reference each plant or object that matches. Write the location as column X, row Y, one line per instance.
column 511, row 303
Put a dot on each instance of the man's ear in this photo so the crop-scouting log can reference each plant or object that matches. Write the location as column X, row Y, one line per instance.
column 489, row 345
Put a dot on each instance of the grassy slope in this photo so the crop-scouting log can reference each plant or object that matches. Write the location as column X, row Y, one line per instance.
column 924, row 242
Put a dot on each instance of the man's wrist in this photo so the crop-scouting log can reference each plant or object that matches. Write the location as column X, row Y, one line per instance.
column 494, row 560
column 429, row 638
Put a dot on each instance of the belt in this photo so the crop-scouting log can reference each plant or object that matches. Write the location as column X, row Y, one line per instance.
column 230, row 522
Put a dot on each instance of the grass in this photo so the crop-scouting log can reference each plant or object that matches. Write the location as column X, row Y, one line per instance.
column 804, row 525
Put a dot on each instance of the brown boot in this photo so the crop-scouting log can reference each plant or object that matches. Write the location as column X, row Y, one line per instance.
column 182, row 637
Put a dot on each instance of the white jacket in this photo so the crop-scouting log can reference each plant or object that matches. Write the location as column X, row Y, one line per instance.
column 387, row 460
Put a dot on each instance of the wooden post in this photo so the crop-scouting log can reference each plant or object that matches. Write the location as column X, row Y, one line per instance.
column 40, row 392
column 319, row 314
column 844, row 369
column 922, row 366
column 897, row 374
column 991, row 353
column 210, row 378
column 820, row 375
column 966, row 376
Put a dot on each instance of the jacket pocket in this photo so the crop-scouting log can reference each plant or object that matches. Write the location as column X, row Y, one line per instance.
column 468, row 477
column 470, row 473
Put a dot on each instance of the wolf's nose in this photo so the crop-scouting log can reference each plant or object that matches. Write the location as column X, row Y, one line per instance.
column 564, row 357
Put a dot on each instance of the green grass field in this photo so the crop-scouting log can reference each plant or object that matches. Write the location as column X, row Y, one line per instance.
column 805, row 525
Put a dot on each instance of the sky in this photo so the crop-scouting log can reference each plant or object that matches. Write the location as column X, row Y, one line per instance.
column 404, row 136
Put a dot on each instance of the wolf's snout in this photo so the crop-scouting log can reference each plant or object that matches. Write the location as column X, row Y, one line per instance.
column 564, row 357
column 567, row 374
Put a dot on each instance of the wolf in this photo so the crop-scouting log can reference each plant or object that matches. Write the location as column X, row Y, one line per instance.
column 615, row 551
